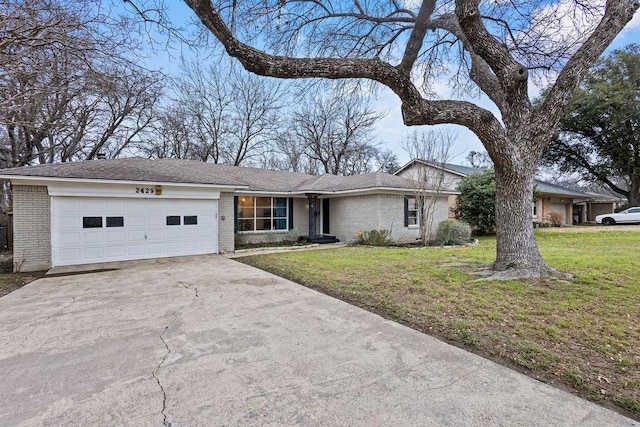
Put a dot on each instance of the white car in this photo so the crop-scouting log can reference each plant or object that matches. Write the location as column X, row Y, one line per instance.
column 625, row 217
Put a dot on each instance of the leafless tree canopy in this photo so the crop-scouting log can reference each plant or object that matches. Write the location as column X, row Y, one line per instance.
column 335, row 132
column 68, row 88
column 218, row 113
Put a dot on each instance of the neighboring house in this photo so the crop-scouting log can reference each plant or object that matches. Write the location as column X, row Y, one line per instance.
column 571, row 204
column 600, row 203
column 123, row 209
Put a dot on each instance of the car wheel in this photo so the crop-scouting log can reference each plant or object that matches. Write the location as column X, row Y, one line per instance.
column 608, row 221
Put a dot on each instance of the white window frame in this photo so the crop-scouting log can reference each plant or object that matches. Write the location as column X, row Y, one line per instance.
column 414, row 200
column 272, row 218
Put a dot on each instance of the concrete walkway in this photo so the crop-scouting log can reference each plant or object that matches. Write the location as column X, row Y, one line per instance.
column 209, row 341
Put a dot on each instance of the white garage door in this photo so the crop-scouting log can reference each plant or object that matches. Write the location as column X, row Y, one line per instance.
column 92, row 229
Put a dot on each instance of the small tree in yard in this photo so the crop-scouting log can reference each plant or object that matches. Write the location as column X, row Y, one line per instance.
column 433, row 146
column 495, row 47
column 476, row 203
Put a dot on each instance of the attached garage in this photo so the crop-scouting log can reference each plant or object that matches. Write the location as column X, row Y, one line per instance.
column 101, row 211
column 98, row 229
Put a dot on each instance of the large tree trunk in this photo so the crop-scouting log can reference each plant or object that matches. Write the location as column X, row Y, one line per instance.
column 517, row 250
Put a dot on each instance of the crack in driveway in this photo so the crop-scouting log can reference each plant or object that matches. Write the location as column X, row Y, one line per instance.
column 154, row 374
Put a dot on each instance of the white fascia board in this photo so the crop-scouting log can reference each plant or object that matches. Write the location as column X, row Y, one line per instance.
column 376, row 190
column 429, row 165
column 46, row 180
column 269, row 193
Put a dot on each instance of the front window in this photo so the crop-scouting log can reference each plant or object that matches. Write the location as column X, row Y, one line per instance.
column 262, row 213
column 412, row 213
column 534, row 209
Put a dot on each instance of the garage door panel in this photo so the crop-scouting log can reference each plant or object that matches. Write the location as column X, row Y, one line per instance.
column 115, row 207
column 70, row 238
column 116, row 251
column 156, row 249
column 93, row 237
column 135, row 251
column 93, row 253
column 92, row 207
column 66, row 255
column 144, row 232
column 134, row 236
column 116, row 237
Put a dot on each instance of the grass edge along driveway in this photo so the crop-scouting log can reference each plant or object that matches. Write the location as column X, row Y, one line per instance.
column 581, row 333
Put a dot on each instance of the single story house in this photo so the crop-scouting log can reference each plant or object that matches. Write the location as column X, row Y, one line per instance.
column 572, row 205
column 134, row 208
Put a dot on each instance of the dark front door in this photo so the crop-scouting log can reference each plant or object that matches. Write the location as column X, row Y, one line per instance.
column 325, row 216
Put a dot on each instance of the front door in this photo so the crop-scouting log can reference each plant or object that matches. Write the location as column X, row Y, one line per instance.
column 325, row 216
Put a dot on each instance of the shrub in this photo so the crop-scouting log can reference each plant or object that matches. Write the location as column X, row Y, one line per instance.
column 375, row 238
column 453, row 232
column 476, row 204
column 555, row 218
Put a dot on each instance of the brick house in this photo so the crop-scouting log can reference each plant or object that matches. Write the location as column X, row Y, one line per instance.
column 571, row 205
column 133, row 208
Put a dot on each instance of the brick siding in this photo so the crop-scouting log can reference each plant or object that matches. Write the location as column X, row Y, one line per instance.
column 31, row 228
column 226, row 243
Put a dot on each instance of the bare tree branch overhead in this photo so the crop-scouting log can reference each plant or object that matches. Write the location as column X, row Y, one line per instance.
column 499, row 46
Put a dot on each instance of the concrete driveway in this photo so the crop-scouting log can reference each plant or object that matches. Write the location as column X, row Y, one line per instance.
column 209, row 341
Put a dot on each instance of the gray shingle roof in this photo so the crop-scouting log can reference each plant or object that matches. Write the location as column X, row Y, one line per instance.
column 197, row 172
column 549, row 188
column 332, row 183
column 127, row 169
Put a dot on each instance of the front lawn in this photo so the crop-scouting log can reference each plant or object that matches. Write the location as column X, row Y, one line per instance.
column 583, row 333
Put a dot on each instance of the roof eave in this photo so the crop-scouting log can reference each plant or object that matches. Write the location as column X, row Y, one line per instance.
column 28, row 180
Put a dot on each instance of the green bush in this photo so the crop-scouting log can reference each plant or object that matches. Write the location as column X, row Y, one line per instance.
column 375, row 238
column 453, row 232
column 476, row 204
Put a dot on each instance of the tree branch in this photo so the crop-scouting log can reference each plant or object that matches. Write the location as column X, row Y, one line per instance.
column 415, row 109
column 414, row 44
column 617, row 14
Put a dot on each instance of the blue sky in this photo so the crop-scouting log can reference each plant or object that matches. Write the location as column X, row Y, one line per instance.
column 390, row 129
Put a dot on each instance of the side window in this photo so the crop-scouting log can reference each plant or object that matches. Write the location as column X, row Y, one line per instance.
column 91, row 222
column 173, row 220
column 413, row 211
column 190, row 220
column 637, row 210
column 115, row 221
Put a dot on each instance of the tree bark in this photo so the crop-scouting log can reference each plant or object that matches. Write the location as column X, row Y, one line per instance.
column 517, row 249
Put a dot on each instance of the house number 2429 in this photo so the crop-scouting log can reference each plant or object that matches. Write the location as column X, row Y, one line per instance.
column 144, row 190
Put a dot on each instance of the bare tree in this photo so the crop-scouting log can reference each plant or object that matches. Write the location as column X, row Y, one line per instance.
column 479, row 159
column 496, row 48
column 434, row 147
column 337, row 132
column 67, row 88
column 220, row 114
